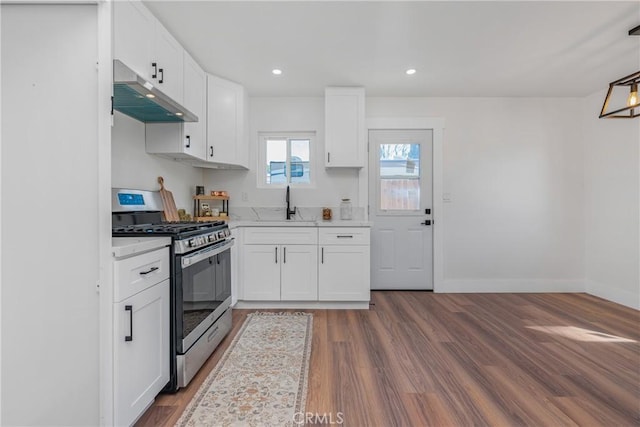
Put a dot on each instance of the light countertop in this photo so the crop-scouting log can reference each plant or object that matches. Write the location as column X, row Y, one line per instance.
column 127, row 246
column 304, row 217
column 299, row 223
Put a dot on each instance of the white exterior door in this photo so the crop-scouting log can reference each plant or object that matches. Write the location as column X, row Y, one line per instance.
column 400, row 165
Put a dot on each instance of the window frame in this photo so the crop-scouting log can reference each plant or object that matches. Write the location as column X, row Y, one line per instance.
column 261, row 169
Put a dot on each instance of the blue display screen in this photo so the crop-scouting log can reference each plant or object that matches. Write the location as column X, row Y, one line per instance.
column 128, row 199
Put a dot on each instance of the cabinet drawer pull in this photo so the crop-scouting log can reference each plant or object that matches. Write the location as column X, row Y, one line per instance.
column 344, row 236
column 322, row 256
column 161, row 79
column 151, row 270
column 129, row 308
column 188, row 141
column 276, row 248
column 284, row 257
column 155, row 70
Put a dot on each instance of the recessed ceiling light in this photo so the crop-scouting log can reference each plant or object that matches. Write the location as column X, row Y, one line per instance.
column 276, row 71
column 150, row 95
column 411, row 71
column 179, row 114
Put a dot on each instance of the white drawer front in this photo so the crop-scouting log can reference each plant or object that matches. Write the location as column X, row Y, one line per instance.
column 281, row 235
column 343, row 236
column 137, row 273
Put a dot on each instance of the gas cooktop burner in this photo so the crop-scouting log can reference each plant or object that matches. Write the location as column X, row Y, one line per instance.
column 167, row 228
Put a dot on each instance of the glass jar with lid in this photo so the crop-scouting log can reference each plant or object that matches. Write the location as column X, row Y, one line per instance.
column 345, row 209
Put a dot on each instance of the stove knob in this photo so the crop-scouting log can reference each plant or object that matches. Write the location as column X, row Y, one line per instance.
column 212, row 238
column 221, row 235
column 191, row 243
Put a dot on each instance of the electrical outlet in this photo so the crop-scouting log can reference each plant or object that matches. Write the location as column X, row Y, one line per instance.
column 245, row 196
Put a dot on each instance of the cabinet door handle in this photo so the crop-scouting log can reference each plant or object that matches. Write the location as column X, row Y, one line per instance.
column 188, row 141
column 344, row 236
column 161, row 80
column 284, row 257
column 211, row 151
column 151, row 270
column 276, row 248
column 155, row 70
column 322, row 256
column 129, row 308
column 328, row 157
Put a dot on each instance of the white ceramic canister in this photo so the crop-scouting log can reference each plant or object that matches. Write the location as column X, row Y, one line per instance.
column 345, row 209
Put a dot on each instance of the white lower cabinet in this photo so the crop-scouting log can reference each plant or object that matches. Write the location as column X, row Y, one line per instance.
column 141, row 357
column 280, row 264
column 306, row 264
column 261, row 273
column 141, row 328
column 299, row 273
column 344, row 272
column 280, row 272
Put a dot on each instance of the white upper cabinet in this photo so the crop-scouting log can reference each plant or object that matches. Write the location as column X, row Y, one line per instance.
column 184, row 141
column 168, row 57
column 345, row 139
column 226, row 119
column 134, row 36
column 195, row 100
column 142, row 43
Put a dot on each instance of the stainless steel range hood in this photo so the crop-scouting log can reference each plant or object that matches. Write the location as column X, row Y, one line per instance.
column 140, row 99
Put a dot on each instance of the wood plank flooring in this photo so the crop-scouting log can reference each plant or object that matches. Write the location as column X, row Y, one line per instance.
column 424, row 359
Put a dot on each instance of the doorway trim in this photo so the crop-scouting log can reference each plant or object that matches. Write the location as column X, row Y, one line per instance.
column 436, row 124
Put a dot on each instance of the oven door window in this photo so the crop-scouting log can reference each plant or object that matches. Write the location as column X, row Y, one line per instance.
column 199, row 297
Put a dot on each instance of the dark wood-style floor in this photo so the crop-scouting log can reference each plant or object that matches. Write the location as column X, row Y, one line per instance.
column 424, row 359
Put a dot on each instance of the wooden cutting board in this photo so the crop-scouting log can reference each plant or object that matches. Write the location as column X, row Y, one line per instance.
column 169, row 205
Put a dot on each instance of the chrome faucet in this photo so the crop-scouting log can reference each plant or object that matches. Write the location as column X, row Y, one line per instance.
column 289, row 211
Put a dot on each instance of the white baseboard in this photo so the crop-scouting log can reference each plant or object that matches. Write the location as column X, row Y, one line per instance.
column 510, row 285
column 303, row 305
column 617, row 295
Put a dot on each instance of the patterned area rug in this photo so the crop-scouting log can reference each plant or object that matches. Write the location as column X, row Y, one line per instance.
column 261, row 379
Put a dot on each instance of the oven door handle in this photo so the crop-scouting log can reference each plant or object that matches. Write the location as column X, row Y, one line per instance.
column 206, row 253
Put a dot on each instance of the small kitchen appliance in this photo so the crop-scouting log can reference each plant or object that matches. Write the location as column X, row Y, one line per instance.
column 200, row 277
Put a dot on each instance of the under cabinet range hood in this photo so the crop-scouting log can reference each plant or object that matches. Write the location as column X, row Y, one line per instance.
column 140, row 99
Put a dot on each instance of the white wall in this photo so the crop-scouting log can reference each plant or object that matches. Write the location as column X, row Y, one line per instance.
column 285, row 114
column 51, row 236
column 132, row 167
column 612, row 204
column 513, row 170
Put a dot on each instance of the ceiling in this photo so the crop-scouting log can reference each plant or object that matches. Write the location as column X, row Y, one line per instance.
column 468, row 49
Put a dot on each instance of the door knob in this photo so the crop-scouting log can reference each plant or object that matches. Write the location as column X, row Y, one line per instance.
column 426, row 222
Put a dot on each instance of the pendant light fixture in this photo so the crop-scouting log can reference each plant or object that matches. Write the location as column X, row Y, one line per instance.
column 631, row 108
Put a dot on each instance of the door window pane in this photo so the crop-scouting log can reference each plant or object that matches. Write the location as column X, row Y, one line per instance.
column 399, row 176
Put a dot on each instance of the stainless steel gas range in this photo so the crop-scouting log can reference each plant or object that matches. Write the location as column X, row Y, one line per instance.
column 200, row 278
